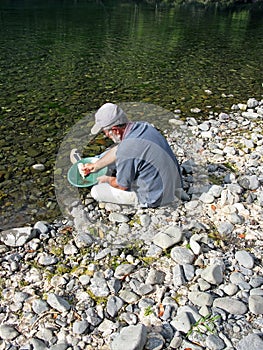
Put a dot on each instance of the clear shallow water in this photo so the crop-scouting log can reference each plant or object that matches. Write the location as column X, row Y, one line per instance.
column 62, row 59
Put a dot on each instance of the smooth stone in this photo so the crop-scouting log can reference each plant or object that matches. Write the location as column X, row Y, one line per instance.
column 39, row 306
column 255, row 304
column 182, row 322
column 230, row 289
column 231, row 305
column 155, row 341
column 214, row 342
column 200, row 298
column 155, row 277
column 8, row 332
column 213, row 274
column 225, row 228
column 38, row 167
column 251, row 342
column 123, row 270
column 83, row 240
column 58, row 303
column 244, row 259
column 207, row 198
column 47, row 260
column 182, row 255
column 130, row 338
column 80, row 327
column 114, row 304
column 42, row 227
column 18, row 236
column 168, row 238
column 117, row 217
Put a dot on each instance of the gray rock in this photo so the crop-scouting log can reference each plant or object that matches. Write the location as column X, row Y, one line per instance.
column 130, row 338
column 145, row 220
column 168, row 238
column 8, row 332
column 245, row 259
column 17, row 237
column 47, row 260
column 58, row 303
column 128, row 296
column 215, row 191
column 70, row 249
column 176, row 342
column 102, row 254
column 231, row 305
column 39, row 306
column 200, row 298
column 213, row 274
column 99, row 286
column 123, row 270
column 42, row 227
column 114, row 305
column 117, row 217
column 155, row 277
column 80, row 327
column 213, row 342
column 251, row 342
column 38, row 344
column 83, row 240
column 182, row 255
column 252, row 103
column 61, row 346
column 230, row 289
column 249, row 182
column 155, row 341
column 256, row 281
column 207, row 198
column 178, row 276
column 225, row 228
column 189, row 271
column 182, row 322
column 255, row 304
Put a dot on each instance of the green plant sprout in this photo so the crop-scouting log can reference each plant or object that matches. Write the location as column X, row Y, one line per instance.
column 148, row 311
column 207, row 322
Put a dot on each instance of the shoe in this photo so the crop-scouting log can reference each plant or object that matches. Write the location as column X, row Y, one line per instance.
column 74, row 156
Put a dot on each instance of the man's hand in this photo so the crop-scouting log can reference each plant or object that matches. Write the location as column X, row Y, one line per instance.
column 110, row 180
column 88, row 168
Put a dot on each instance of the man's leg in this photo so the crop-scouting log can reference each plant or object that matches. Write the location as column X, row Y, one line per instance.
column 105, row 193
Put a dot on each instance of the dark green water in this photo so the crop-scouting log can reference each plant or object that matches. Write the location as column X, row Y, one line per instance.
column 62, row 59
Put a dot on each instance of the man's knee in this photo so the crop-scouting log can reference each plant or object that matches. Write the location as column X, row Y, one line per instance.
column 94, row 193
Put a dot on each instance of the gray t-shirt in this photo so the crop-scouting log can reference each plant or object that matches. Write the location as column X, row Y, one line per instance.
column 146, row 164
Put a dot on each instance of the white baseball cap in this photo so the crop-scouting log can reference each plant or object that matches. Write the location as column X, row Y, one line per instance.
column 108, row 115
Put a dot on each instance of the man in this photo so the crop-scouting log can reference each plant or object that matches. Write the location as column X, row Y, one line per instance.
column 147, row 171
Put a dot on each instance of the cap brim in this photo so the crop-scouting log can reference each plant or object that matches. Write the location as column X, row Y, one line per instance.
column 95, row 129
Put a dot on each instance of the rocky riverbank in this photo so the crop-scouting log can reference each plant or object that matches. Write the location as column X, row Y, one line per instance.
column 180, row 277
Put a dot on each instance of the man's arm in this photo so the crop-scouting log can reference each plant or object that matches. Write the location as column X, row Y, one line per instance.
column 108, row 158
column 112, row 181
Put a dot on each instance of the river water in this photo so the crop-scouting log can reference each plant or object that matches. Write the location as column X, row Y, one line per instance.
column 60, row 60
